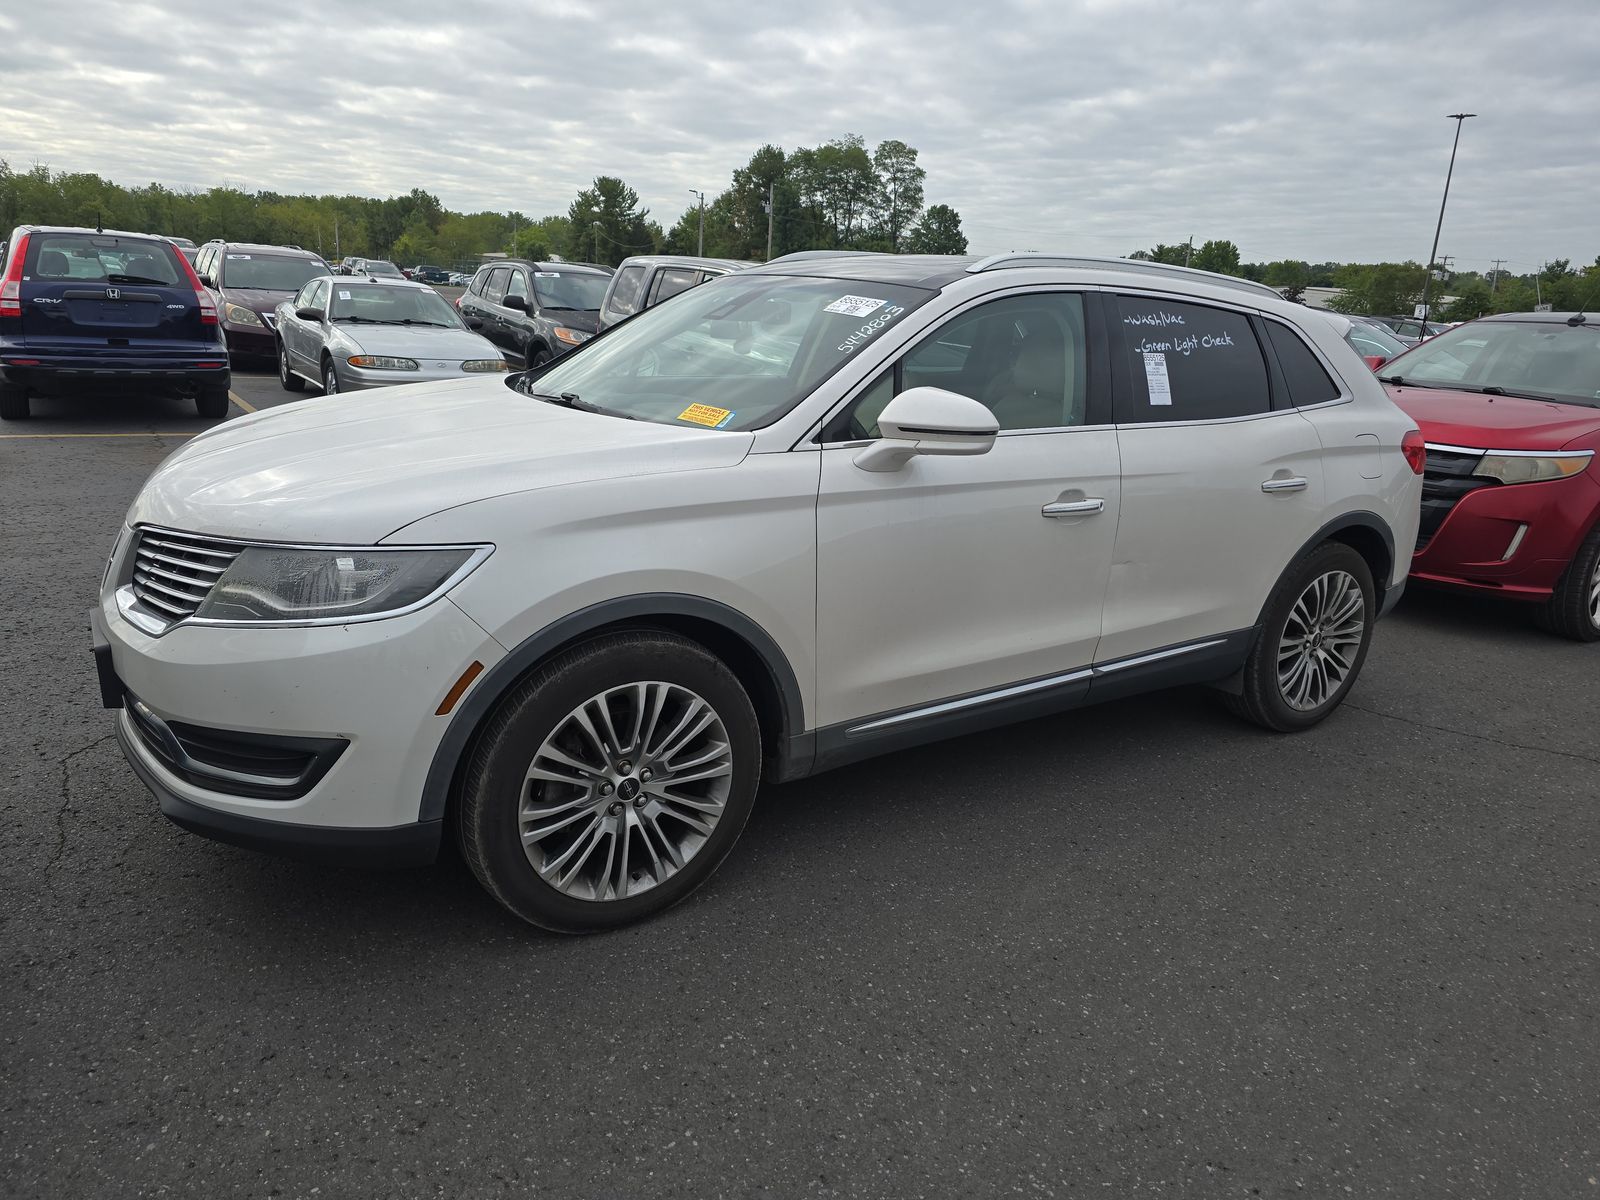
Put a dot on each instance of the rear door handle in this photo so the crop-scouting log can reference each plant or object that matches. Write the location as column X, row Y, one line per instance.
column 1297, row 484
column 1074, row 508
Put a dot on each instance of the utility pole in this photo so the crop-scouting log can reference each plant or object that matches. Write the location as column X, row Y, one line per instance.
column 702, row 246
column 1537, row 298
column 336, row 235
column 1188, row 252
column 769, row 221
column 1494, row 275
column 597, row 240
column 1427, row 281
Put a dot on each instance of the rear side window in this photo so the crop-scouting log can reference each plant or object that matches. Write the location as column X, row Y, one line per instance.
column 102, row 258
column 625, row 296
column 1189, row 362
column 1308, row 382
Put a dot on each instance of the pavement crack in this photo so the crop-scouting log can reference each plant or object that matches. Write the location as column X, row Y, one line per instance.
column 1477, row 737
column 66, row 803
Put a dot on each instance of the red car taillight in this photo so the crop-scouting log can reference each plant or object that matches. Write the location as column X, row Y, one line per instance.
column 208, row 309
column 1415, row 450
column 11, row 286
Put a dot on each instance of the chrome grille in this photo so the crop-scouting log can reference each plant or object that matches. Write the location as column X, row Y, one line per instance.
column 173, row 572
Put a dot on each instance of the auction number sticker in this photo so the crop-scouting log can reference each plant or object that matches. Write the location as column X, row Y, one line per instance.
column 344, row 295
column 1157, row 379
column 547, row 274
column 855, row 306
column 705, row 414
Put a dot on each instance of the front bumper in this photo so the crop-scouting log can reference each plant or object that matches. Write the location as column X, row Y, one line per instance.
column 375, row 685
column 360, row 379
column 251, row 341
column 1511, row 540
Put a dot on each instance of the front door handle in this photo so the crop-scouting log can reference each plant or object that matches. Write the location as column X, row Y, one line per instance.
column 1296, row 484
column 1074, row 508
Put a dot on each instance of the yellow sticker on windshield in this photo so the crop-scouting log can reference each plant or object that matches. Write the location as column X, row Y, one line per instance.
column 704, row 414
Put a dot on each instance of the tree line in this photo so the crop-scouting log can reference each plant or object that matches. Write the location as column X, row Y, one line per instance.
column 835, row 196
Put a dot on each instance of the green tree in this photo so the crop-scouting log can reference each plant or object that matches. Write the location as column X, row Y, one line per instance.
column 938, row 232
column 1290, row 276
column 605, row 224
column 899, row 195
column 1219, row 256
column 1378, row 289
column 1472, row 300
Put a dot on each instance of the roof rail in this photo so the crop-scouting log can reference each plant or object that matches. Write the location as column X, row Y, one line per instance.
column 1138, row 266
column 808, row 255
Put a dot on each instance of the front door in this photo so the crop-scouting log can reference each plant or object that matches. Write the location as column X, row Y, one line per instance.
column 953, row 577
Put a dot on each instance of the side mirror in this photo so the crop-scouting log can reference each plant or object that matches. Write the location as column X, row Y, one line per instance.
column 473, row 322
column 308, row 314
column 928, row 420
column 515, row 302
column 208, row 281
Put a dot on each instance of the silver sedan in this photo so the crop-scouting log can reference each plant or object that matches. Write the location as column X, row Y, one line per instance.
column 349, row 334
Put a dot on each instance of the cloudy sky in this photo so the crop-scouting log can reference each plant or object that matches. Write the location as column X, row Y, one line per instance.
column 1298, row 129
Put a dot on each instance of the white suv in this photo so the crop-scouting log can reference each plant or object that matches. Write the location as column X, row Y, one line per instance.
column 805, row 514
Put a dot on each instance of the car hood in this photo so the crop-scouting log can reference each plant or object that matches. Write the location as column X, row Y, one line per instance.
column 255, row 299
column 358, row 466
column 1456, row 418
column 419, row 342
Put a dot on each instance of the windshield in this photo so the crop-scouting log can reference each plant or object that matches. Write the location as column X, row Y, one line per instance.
column 735, row 353
column 269, row 273
column 391, row 305
column 102, row 258
column 377, row 266
column 1547, row 359
column 569, row 290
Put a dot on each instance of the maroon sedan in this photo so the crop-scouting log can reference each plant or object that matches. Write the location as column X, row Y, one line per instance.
column 1510, row 409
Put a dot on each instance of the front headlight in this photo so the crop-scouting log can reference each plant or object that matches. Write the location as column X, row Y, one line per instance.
column 383, row 362
column 572, row 337
column 1526, row 468
column 238, row 314
column 269, row 584
column 484, row 364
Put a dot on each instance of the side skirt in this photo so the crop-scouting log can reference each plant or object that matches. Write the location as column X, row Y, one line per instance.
column 1204, row 661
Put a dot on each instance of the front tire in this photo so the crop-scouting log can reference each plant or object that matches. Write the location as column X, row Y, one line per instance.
column 330, row 378
column 1314, row 638
column 1573, row 610
column 287, row 379
column 610, row 783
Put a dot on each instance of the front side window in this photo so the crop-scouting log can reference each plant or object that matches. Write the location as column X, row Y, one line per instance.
column 1189, row 362
column 1025, row 358
column 494, row 288
column 735, row 356
column 518, row 286
column 268, row 272
column 671, row 281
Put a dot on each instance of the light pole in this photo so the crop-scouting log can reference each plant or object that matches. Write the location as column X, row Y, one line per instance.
column 594, row 213
column 1427, row 280
column 701, row 249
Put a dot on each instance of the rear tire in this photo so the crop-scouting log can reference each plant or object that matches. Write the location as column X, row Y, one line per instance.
column 287, row 379
column 1573, row 610
column 1314, row 637
column 578, row 814
column 212, row 403
column 14, row 404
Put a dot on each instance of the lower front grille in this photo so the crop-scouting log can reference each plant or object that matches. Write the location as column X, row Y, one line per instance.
column 258, row 765
column 173, row 573
column 1447, row 478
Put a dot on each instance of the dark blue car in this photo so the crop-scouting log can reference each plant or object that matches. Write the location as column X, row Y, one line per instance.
column 85, row 311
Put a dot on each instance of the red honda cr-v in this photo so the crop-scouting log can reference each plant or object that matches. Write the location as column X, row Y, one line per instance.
column 1510, row 409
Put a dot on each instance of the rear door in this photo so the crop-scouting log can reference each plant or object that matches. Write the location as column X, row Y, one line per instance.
column 1220, row 490
column 108, row 291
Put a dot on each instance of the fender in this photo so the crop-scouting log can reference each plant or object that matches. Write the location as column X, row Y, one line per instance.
column 498, row 678
column 1387, row 595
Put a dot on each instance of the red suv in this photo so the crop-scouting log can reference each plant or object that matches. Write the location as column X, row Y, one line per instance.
column 1510, row 409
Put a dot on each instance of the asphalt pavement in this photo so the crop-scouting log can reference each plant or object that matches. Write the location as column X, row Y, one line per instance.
column 1137, row 950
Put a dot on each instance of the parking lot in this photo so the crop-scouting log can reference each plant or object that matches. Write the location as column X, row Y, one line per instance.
column 1141, row 949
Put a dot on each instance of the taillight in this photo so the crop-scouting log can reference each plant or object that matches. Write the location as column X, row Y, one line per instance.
column 11, row 286
column 1374, row 360
column 208, row 308
column 1415, row 450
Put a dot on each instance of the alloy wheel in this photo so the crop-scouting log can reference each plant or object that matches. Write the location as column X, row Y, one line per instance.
column 625, row 791
column 1321, row 640
column 1594, row 595
column 330, row 380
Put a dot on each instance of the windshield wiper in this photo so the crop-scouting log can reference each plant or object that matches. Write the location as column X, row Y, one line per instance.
column 360, row 320
column 114, row 278
column 570, row 400
column 1494, row 389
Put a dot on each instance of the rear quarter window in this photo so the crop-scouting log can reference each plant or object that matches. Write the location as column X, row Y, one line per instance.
column 1307, row 381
